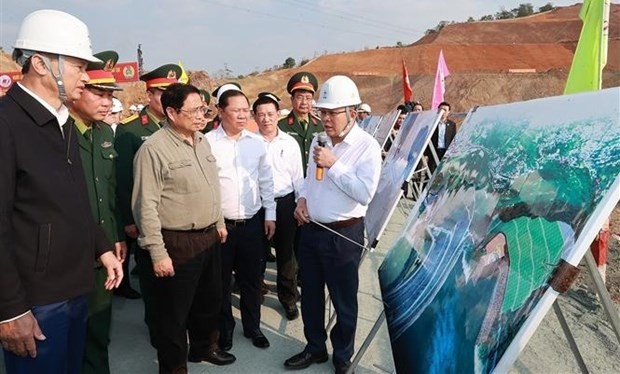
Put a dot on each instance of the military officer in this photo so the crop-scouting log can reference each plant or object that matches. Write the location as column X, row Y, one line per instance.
column 129, row 137
column 96, row 141
column 300, row 123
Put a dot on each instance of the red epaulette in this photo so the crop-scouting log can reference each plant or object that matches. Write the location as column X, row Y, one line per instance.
column 144, row 119
column 291, row 120
column 216, row 124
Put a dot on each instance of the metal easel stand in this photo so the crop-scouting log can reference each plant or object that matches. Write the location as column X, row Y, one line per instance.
column 608, row 305
column 569, row 337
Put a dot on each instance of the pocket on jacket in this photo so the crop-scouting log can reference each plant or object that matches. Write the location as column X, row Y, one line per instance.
column 183, row 176
column 43, row 248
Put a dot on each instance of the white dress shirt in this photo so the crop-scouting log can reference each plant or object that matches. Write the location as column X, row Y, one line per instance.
column 285, row 158
column 246, row 180
column 441, row 135
column 349, row 185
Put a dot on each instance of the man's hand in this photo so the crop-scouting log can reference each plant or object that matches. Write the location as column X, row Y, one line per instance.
column 163, row 268
column 18, row 336
column 120, row 250
column 301, row 212
column 132, row 231
column 223, row 234
column 270, row 229
column 114, row 268
column 324, row 157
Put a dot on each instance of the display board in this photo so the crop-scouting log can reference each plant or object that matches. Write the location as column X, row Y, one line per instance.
column 523, row 186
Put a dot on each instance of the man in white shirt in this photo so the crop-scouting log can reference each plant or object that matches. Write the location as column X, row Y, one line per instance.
column 341, row 180
column 246, row 183
column 285, row 157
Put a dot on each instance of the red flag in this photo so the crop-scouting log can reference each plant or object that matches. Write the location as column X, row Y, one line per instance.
column 407, row 91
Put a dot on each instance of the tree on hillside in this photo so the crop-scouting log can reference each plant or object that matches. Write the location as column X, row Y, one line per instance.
column 471, row 19
column 289, row 63
column 488, row 17
column 546, row 7
column 523, row 10
column 504, row 14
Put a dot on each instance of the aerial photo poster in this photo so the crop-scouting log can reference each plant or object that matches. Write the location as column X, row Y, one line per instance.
column 522, row 186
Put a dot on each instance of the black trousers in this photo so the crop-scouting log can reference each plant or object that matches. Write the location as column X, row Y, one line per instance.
column 327, row 259
column 189, row 302
column 244, row 253
column 146, row 278
column 284, row 243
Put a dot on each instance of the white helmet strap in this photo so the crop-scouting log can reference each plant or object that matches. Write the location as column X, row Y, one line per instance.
column 62, row 93
column 350, row 123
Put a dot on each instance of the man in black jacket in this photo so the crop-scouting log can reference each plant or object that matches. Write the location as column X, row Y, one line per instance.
column 48, row 238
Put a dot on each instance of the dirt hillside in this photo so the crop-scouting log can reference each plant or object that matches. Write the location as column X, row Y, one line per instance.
column 491, row 62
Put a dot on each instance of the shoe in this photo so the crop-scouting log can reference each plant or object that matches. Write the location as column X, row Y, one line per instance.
column 304, row 359
column 127, row 293
column 226, row 341
column 258, row 339
column 214, row 356
column 342, row 367
column 291, row 310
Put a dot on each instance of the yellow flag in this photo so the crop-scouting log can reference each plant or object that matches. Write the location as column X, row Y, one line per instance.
column 184, row 77
column 586, row 72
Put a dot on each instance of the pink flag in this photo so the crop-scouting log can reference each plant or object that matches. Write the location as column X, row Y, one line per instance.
column 440, row 81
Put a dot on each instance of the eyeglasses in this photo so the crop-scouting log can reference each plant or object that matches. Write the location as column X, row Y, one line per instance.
column 193, row 112
column 329, row 113
column 300, row 98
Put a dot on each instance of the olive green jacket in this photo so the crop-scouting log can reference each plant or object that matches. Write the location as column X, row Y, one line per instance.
column 292, row 126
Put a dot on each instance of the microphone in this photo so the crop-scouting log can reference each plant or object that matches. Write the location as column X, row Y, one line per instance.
column 321, row 141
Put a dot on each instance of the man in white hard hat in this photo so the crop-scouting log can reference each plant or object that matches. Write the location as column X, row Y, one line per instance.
column 342, row 178
column 48, row 237
column 113, row 118
column 362, row 112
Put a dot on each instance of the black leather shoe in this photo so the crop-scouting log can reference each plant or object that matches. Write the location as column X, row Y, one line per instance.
column 304, row 359
column 226, row 341
column 258, row 339
column 291, row 311
column 342, row 367
column 214, row 356
column 127, row 292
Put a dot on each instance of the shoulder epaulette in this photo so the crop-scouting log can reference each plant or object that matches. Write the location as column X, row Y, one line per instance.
column 129, row 119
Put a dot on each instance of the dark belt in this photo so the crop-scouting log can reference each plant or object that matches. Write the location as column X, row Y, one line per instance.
column 236, row 222
column 195, row 231
column 341, row 224
column 286, row 197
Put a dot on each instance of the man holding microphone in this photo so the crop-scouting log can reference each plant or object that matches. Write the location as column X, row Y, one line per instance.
column 341, row 180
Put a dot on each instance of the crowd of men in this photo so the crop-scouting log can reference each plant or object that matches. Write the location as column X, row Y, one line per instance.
column 195, row 201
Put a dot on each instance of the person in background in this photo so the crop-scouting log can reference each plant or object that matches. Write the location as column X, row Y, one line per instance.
column 48, row 237
column 177, row 207
column 417, row 107
column 113, row 118
column 363, row 112
column 285, row 158
column 342, row 179
column 442, row 137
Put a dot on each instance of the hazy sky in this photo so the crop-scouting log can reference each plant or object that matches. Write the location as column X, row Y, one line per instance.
column 247, row 35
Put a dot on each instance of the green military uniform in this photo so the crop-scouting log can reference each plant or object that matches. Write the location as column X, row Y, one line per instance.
column 129, row 137
column 302, row 129
column 96, row 141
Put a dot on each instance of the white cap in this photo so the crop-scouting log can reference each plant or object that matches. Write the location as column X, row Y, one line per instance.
column 117, row 106
column 133, row 107
column 56, row 32
column 224, row 88
column 139, row 106
column 284, row 112
column 364, row 108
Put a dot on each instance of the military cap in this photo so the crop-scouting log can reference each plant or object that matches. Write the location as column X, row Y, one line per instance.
column 162, row 77
column 204, row 95
column 302, row 81
column 100, row 73
column 223, row 88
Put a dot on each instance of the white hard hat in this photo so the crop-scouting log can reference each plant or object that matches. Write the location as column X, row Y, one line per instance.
column 284, row 112
column 364, row 108
column 56, row 32
column 133, row 108
column 117, row 106
column 139, row 106
column 337, row 92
